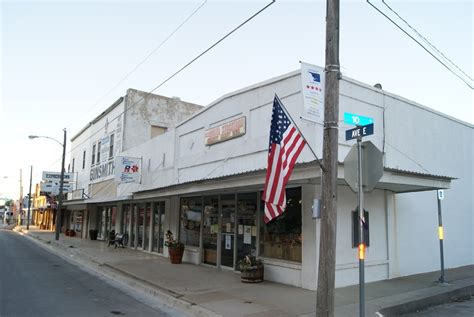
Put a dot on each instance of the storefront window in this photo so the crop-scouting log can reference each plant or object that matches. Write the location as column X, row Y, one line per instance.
column 190, row 220
column 210, row 229
column 281, row 237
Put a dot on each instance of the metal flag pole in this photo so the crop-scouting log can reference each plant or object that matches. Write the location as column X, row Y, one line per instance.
column 297, row 128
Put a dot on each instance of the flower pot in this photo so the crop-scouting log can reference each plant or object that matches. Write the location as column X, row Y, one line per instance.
column 176, row 255
column 253, row 274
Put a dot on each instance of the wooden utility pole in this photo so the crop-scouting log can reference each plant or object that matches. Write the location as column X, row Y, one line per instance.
column 327, row 250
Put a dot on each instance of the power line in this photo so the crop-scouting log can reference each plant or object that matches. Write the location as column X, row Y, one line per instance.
column 147, row 57
column 426, row 40
column 179, row 70
column 428, row 51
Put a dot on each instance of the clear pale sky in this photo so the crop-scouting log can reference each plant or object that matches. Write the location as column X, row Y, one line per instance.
column 59, row 59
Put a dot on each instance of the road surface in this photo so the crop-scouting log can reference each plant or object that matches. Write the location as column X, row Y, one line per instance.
column 34, row 282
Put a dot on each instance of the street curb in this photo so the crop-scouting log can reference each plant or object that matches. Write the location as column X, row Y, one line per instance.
column 423, row 303
column 174, row 299
column 167, row 297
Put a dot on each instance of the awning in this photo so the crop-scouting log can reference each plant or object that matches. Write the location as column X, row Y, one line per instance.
column 79, row 204
column 395, row 180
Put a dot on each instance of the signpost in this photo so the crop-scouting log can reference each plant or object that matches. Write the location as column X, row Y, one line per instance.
column 363, row 167
column 440, row 194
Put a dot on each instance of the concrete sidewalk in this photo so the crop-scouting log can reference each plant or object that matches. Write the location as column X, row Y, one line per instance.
column 205, row 291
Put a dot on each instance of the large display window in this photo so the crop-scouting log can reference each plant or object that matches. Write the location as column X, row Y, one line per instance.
column 281, row 237
column 190, row 221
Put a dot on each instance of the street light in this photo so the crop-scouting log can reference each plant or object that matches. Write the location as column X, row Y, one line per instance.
column 61, row 182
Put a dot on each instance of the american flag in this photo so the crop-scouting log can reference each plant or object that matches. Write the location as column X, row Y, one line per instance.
column 286, row 144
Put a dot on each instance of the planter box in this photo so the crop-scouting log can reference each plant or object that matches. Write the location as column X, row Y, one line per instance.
column 252, row 275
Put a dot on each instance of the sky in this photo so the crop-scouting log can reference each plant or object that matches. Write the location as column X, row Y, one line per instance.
column 62, row 62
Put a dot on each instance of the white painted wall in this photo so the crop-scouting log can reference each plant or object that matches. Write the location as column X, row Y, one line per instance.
column 131, row 128
column 403, row 227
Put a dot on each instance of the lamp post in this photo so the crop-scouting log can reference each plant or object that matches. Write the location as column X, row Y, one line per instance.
column 61, row 182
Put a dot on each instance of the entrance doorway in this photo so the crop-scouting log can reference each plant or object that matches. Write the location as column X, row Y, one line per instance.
column 227, row 231
column 247, row 207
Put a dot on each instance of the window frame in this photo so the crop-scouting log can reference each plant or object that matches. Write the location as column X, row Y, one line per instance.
column 94, row 147
column 111, row 146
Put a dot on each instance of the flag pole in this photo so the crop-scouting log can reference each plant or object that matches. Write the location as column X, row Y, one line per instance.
column 297, row 128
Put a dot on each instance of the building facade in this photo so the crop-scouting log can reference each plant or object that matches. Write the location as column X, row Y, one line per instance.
column 131, row 120
column 204, row 178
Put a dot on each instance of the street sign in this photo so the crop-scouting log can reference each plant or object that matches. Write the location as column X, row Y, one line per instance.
column 372, row 166
column 359, row 132
column 356, row 119
column 53, row 187
column 56, row 176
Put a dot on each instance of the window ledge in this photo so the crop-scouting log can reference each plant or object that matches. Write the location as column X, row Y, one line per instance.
column 281, row 263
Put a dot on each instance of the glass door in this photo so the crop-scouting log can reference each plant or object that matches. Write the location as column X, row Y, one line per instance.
column 126, row 219
column 210, row 230
column 227, row 230
column 158, row 220
column 140, row 227
column 146, row 226
column 246, row 225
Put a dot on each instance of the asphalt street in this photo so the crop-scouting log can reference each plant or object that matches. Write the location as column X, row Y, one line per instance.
column 34, row 282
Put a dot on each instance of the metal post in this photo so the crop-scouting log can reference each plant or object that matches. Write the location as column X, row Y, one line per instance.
column 327, row 262
column 441, row 238
column 29, row 201
column 361, row 246
column 60, row 196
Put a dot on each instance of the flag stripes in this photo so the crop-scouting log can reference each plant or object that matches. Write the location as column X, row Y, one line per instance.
column 286, row 144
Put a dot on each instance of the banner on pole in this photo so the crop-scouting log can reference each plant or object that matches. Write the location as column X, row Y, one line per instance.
column 312, row 80
column 128, row 169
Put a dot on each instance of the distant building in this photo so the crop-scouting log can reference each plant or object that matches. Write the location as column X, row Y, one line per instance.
column 132, row 120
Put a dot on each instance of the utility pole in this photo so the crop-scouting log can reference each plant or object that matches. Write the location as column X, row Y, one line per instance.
column 60, row 196
column 20, row 202
column 29, row 201
column 327, row 250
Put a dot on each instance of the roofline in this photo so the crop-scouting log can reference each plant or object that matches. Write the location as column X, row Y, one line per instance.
column 100, row 116
column 262, row 170
column 408, row 101
column 242, row 90
column 345, row 78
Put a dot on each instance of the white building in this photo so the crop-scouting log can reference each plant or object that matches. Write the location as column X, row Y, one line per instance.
column 207, row 190
column 132, row 119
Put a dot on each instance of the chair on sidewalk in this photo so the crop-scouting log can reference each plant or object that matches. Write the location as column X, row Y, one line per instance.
column 119, row 239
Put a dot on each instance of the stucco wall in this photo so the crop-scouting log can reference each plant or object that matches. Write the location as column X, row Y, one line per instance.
column 145, row 110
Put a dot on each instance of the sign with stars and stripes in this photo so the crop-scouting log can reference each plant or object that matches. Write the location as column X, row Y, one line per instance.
column 312, row 80
column 286, row 144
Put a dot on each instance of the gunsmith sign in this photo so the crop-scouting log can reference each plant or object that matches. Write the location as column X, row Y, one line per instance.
column 227, row 131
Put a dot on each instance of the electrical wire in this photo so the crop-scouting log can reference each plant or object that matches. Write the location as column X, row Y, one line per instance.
column 426, row 40
column 179, row 70
column 146, row 57
column 470, row 85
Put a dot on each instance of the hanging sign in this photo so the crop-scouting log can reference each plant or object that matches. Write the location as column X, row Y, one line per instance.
column 128, row 169
column 312, row 81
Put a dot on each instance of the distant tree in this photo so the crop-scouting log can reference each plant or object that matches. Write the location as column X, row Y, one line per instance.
column 8, row 203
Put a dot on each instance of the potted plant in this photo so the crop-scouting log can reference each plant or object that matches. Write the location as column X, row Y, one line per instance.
column 251, row 269
column 175, row 248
